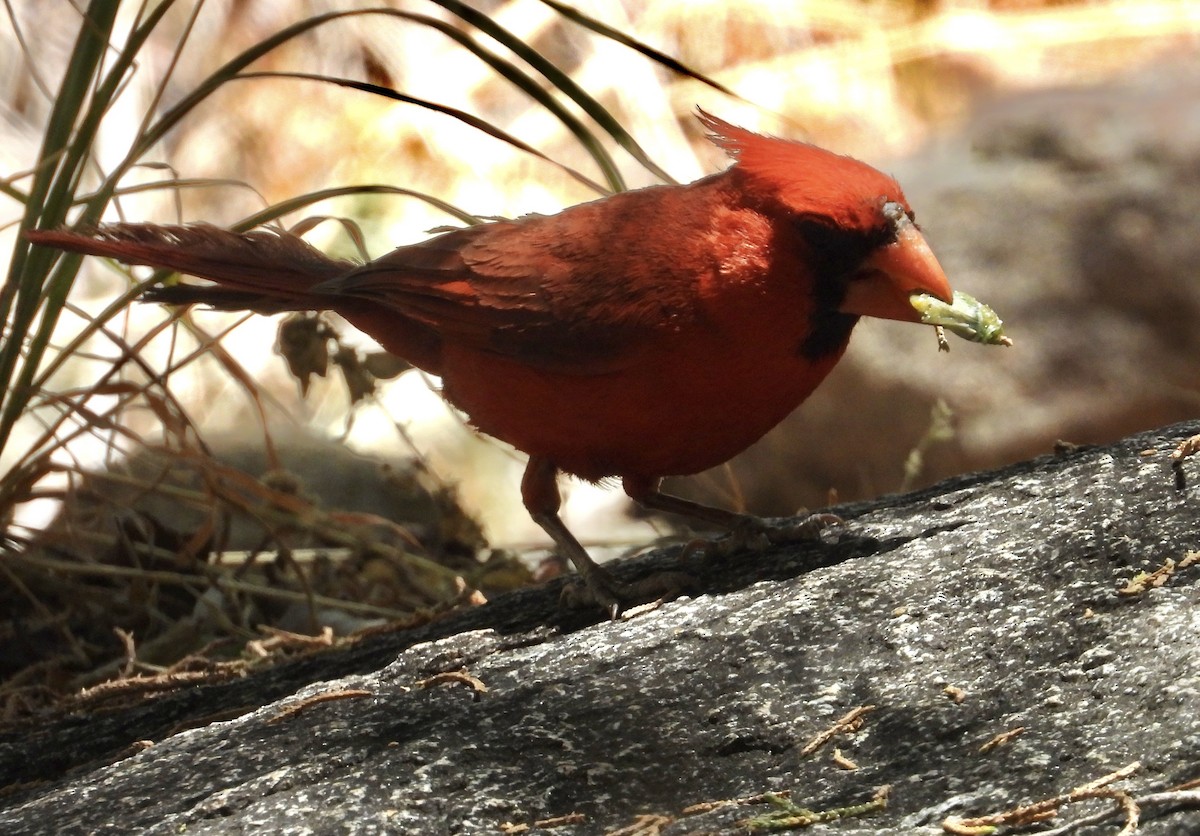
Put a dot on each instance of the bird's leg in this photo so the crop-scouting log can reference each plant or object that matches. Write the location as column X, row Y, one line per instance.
column 646, row 492
column 539, row 490
column 747, row 531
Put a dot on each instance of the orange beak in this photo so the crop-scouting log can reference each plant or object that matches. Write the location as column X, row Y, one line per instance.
column 894, row 273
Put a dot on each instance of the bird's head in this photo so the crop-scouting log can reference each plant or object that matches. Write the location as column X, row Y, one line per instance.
column 855, row 219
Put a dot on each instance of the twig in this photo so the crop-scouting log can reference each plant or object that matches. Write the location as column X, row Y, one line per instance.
column 1048, row 808
column 850, row 722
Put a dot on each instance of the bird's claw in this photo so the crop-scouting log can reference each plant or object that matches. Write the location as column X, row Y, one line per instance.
column 600, row 590
column 807, row 528
column 755, row 535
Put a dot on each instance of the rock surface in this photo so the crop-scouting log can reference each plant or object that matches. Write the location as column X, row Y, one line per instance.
column 1003, row 587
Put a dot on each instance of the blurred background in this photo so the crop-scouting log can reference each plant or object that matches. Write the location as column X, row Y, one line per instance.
column 1051, row 151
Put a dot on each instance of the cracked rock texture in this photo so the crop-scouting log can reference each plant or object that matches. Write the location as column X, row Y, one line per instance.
column 1002, row 585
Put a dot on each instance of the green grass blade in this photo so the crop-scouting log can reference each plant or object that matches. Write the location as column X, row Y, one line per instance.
column 461, row 115
column 559, row 79
column 29, row 278
column 285, row 207
column 604, row 30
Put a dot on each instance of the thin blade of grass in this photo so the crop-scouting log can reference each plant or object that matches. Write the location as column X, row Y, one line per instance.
column 504, row 68
column 604, row 30
column 461, row 115
column 40, row 279
column 277, row 210
column 528, row 85
column 86, row 57
column 559, row 79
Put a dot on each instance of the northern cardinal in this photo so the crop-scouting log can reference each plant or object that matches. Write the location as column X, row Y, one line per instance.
column 650, row 333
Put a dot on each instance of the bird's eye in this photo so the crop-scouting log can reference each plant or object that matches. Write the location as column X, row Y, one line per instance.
column 892, row 210
column 896, row 214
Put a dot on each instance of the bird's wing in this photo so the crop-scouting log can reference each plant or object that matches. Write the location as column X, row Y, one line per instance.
column 578, row 291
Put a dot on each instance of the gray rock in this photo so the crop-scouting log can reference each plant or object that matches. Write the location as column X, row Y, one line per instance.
column 1003, row 585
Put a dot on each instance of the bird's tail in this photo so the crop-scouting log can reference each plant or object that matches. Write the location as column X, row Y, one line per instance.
column 263, row 270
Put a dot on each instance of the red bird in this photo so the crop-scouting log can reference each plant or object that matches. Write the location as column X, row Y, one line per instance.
column 651, row 333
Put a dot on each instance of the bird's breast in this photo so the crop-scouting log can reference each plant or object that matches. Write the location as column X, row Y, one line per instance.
column 678, row 405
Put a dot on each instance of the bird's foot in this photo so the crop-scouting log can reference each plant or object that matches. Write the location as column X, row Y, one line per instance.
column 756, row 534
column 600, row 590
